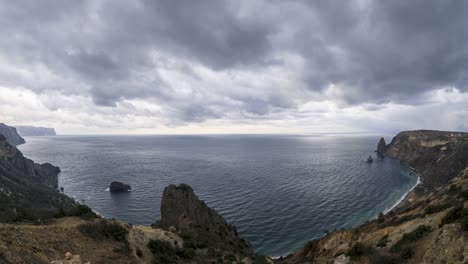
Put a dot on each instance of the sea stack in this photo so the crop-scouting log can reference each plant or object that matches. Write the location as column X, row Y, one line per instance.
column 183, row 210
column 117, row 186
column 382, row 146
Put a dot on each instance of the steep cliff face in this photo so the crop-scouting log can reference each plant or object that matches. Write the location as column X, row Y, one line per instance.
column 27, row 189
column 11, row 135
column 437, row 156
column 31, row 131
column 429, row 226
column 183, row 210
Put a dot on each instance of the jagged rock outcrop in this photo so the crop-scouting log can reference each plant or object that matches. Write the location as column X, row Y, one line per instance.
column 437, row 156
column 31, row 131
column 117, row 186
column 382, row 146
column 191, row 217
column 11, row 135
column 27, row 189
column 429, row 226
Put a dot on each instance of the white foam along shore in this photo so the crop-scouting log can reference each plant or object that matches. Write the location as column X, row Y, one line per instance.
column 385, row 212
column 402, row 198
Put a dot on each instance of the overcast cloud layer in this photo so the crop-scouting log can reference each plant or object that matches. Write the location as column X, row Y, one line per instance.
column 211, row 66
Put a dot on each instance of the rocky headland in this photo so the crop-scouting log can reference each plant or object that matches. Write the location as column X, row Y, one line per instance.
column 11, row 135
column 430, row 226
column 28, row 191
column 436, row 155
column 32, row 131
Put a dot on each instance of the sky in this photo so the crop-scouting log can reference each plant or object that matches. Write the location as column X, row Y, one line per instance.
column 247, row 66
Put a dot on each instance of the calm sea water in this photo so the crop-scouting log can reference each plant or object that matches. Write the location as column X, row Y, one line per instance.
column 280, row 191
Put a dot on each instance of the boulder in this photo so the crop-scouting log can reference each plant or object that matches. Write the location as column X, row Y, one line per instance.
column 69, row 259
column 117, row 186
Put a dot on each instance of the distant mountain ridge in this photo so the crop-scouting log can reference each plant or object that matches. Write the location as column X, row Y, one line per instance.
column 32, row 131
column 11, row 135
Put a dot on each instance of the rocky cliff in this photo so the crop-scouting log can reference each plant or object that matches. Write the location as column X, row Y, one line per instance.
column 41, row 225
column 27, row 189
column 183, row 210
column 429, row 226
column 11, row 135
column 437, row 156
column 31, row 131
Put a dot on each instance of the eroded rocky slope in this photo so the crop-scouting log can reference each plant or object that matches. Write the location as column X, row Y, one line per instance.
column 27, row 189
column 437, row 156
column 430, row 226
column 183, row 210
column 41, row 225
column 11, row 135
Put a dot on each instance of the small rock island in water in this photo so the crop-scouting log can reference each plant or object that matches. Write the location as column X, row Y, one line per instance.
column 117, row 186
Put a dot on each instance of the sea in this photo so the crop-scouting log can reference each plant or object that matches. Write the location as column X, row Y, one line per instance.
column 279, row 190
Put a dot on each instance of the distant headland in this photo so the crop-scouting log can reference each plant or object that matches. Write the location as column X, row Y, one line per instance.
column 32, row 131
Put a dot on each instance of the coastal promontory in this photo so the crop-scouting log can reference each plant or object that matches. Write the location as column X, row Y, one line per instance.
column 41, row 225
column 32, row 131
column 11, row 135
column 183, row 210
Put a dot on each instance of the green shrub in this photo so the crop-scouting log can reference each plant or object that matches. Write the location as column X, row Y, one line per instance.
column 379, row 258
column 139, row 252
column 258, row 259
column 194, row 244
column 80, row 210
column 230, row 257
column 410, row 237
column 395, row 221
column 464, row 194
column 406, row 253
column 104, row 230
column 186, row 253
column 383, row 241
column 356, row 251
column 431, row 209
column 163, row 252
column 464, row 222
column 381, row 218
column 452, row 215
column 453, row 189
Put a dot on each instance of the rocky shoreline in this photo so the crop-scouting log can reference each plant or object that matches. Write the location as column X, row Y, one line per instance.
column 428, row 226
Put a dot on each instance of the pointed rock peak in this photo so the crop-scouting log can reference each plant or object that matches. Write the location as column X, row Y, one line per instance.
column 382, row 146
column 191, row 217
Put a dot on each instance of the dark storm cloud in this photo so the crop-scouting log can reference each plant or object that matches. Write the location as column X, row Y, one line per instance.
column 370, row 51
column 386, row 50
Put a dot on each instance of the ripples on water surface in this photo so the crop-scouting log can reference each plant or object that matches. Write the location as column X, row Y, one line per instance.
column 280, row 191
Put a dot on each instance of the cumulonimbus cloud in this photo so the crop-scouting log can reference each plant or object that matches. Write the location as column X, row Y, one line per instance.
column 210, row 59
